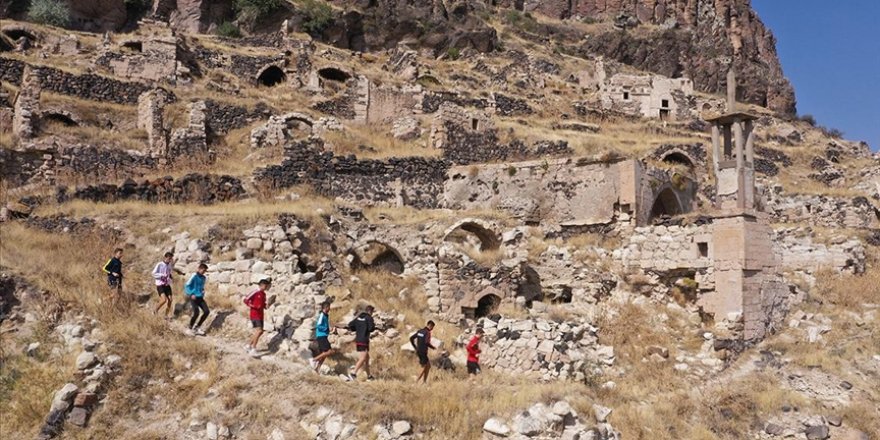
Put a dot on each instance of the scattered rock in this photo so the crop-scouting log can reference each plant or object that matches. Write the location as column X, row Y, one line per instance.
column 497, row 427
column 86, row 360
column 819, row 432
column 601, row 413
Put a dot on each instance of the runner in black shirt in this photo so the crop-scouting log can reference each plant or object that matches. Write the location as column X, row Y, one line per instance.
column 421, row 341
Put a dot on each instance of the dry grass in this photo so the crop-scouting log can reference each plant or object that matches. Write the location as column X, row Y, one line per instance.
column 135, row 139
column 375, row 142
column 148, row 217
column 27, row 384
column 69, row 267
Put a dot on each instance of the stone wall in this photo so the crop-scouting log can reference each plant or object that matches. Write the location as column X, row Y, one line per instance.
column 154, row 59
column 824, row 211
column 86, row 86
column 222, row 118
column 671, row 249
column 191, row 188
column 410, row 181
column 801, row 253
column 190, row 144
column 543, row 349
column 453, row 120
column 567, row 192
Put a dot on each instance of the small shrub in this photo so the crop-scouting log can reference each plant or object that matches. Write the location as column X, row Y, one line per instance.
column 257, row 8
column 229, row 30
column 51, row 12
column 453, row 53
column 511, row 171
column 318, row 15
column 809, row 119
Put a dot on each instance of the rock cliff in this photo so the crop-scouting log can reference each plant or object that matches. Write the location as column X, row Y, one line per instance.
column 694, row 38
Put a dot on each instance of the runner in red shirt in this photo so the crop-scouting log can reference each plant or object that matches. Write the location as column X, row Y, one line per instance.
column 473, row 354
column 257, row 302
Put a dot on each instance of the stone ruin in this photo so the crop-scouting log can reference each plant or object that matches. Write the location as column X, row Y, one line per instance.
column 149, row 55
column 450, row 114
column 648, row 96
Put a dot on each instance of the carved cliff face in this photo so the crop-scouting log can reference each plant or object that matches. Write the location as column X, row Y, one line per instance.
column 702, row 37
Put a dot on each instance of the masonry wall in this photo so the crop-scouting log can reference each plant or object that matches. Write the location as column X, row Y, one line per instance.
column 411, row 181
column 86, row 86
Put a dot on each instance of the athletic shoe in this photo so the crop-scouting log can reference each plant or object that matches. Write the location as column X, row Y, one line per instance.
column 313, row 363
column 254, row 353
column 190, row 332
column 370, row 378
column 351, row 377
column 200, row 332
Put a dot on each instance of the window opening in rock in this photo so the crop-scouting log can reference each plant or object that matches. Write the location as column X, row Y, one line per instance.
column 136, row 46
column 626, row 96
column 664, row 103
column 703, row 249
column 664, row 114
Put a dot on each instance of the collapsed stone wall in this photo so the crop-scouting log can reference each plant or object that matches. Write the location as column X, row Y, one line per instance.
column 462, row 146
column 824, row 211
column 801, row 253
column 243, row 66
column 544, row 349
column 86, row 86
column 221, row 118
column 431, row 101
column 410, row 181
column 94, row 162
column 18, row 167
column 191, row 188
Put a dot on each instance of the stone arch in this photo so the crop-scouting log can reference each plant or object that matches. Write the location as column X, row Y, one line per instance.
column 678, row 157
column 483, row 231
column 334, row 74
column 375, row 254
column 486, row 305
column 59, row 116
column 666, row 203
column 271, row 76
column 14, row 33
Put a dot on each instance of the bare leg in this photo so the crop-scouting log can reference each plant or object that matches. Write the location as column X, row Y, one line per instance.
column 256, row 337
column 162, row 301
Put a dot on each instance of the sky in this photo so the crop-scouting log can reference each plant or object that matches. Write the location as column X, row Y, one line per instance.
column 830, row 50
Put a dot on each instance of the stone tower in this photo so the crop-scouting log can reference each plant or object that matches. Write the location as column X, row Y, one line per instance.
column 747, row 281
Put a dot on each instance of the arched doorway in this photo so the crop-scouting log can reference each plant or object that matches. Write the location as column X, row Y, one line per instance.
column 487, row 305
column 378, row 256
column 471, row 232
column 666, row 204
column 271, row 76
column 678, row 158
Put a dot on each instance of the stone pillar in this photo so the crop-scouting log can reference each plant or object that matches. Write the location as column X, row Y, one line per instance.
column 27, row 105
column 362, row 99
column 750, row 142
column 731, row 91
column 716, row 147
column 150, row 119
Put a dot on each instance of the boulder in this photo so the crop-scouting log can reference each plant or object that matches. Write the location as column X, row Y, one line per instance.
column 497, row 427
column 817, row 432
column 62, row 398
column 78, row 416
column 401, row 428
column 86, row 360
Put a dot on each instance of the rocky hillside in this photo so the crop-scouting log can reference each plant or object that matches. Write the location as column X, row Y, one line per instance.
column 646, row 256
